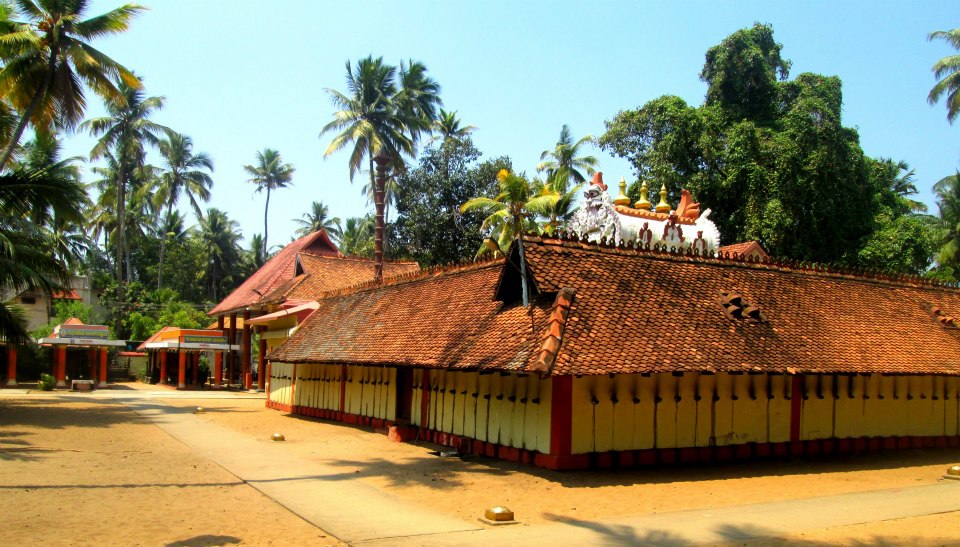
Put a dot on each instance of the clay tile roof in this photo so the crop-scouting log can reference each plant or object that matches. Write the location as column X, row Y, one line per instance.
column 156, row 336
column 439, row 319
column 277, row 270
column 322, row 274
column 68, row 294
column 601, row 310
column 747, row 248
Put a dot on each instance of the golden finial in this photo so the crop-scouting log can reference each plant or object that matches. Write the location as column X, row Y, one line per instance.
column 644, row 203
column 663, row 206
column 622, row 199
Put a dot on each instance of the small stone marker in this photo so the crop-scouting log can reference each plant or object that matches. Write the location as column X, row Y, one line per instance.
column 278, row 437
column 498, row 516
column 953, row 472
column 199, row 410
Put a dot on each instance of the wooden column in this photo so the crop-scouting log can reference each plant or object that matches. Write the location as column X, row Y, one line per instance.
column 60, row 365
column 231, row 356
column 11, row 366
column 163, row 355
column 218, row 358
column 561, row 416
column 182, row 373
column 103, row 368
column 262, row 362
column 246, row 347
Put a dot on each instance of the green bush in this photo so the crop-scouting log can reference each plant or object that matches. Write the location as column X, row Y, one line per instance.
column 47, row 382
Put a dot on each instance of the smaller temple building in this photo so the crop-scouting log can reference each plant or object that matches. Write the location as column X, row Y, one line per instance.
column 174, row 354
column 79, row 352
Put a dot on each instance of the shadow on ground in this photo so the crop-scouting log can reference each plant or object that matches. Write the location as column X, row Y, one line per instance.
column 205, row 541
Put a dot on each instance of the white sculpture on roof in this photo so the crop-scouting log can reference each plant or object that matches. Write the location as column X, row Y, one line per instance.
column 685, row 228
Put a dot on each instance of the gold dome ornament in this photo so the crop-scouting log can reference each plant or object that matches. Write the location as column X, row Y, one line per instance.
column 663, row 206
column 498, row 515
column 643, row 202
column 278, row 437
column 953, row 472
column 623, row 198
column 199, row 410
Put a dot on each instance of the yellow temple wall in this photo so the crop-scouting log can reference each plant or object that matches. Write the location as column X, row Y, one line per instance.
column 507, row 409
column 318, row 386
column 637, row 412
column 281, row 376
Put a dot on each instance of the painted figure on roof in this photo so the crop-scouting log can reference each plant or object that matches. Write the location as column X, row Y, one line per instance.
column 642, row 224
column 596, row 218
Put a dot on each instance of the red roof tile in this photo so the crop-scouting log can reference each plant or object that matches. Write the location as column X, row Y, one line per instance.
column 276, row 271
column 68, row 294
column 636, row 311
column 747, row 249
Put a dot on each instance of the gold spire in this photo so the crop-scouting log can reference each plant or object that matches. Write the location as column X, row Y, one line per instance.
column 663, row 206
column 643, row 203
column 622, row 199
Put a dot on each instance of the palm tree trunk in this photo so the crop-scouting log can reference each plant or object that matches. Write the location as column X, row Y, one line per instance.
column 32, row 107
column 265, row 209
column 380, row 182
column 121, row 213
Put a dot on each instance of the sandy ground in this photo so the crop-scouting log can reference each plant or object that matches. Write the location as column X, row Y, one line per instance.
column 82, row 472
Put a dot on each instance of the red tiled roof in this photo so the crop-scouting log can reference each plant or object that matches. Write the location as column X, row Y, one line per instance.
column 322, row 274
column 600, row 310
column 744, row 249
column 276, row 271
column 154, row 338
column 68, row 294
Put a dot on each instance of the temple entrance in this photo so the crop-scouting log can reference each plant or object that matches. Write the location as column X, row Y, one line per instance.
column 404, row 393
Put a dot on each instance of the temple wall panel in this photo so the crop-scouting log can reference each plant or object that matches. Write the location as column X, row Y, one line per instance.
column 723, row 432
column 416, row 416
column 686, row 401
column 666, row 426
column 951, row 405
column 778, row 405
column 706, row 389
column 280, row 382
column 624, row 392
column 816, row 418
column 481, row 420
column 750, row 408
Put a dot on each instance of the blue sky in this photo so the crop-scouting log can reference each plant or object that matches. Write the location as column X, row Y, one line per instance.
column 240, row 76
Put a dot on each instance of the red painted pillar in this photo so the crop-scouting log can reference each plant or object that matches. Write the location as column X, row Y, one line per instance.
column 103, row 368
column 182, row 373
column 262, row 363
column 425, row 400
column 561, row 416
column 796, row 408
column 163, row 355
column 11, row 366
column 60, row 365
column 245, row 357
column 218, row 359
column 231, row 356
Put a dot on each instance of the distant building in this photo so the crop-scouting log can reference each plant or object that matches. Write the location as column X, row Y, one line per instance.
column 38, row 304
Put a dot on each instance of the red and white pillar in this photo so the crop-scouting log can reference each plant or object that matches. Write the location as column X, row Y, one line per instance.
column 182, row 375
column 60, row 365
column 163, row 355
column 11, row 366
column 245, row 360
column 231, row 355
column 102, row 380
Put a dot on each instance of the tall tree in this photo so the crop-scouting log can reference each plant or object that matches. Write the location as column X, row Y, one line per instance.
column 357, row 237
column 184, row 172
column 220, row 237
column 448, row 127
column 318, row 218
column 429, row 227
column 47, row 60
column 269, row 173
column 564, row 163
column 383, row 113
column 947, row 72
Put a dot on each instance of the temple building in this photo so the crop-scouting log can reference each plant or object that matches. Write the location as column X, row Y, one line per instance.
column 276, row 297
column 623, row 347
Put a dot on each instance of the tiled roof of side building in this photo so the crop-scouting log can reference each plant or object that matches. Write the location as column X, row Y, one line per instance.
column 275, row 272
column 322, row 274
column 447, row 320
column 601, row 310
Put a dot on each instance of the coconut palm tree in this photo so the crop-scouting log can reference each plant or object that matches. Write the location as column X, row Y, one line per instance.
column 383, row 113
column 447, row 127
column 270, row 173
column 183, row 173
column 124, row 134
column 357, row 237
column 318, row 218
column 947, row 73
column 220, row 237
column 47, row 59
column 564, row 164
column 25, row 257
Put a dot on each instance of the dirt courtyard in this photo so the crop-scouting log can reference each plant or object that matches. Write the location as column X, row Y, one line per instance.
column 80, row 471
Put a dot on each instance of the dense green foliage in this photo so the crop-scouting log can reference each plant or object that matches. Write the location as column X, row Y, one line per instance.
column 429, row 227
column 772, row 160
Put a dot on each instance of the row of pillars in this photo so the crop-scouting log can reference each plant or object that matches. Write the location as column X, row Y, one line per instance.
column 184, row 356
column 97, row 356
column 245, row 354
